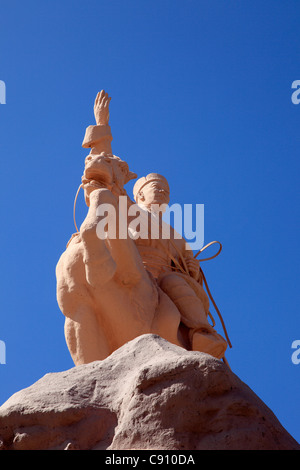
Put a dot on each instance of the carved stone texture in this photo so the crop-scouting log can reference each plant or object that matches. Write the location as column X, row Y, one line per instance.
column 112, row 288
column 149, row 394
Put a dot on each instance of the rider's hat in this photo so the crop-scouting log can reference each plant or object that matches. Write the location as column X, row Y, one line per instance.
column 141, row 182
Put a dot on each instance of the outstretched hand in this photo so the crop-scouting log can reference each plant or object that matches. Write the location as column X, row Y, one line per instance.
column 101, row 108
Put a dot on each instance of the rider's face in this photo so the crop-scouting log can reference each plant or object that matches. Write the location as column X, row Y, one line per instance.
column 155, row 192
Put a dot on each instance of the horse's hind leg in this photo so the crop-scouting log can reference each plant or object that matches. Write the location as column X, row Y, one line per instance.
column 84, row 338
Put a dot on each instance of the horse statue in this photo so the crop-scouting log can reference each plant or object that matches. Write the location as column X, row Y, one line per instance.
column 104, row 289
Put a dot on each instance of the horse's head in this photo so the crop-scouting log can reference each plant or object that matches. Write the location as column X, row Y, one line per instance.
column 107, row 171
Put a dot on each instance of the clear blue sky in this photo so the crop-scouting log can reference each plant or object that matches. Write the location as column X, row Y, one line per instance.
column 201, row 93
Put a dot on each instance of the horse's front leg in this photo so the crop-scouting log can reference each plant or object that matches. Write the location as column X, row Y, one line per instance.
column 100, row 267
column 84, row 336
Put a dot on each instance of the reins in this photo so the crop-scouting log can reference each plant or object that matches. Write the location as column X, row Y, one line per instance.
column 207, row 288
column 206, row 284
column 74, row 206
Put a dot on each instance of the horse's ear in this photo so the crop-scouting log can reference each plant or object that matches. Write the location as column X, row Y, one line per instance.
column 125, row 168
column 131, row 176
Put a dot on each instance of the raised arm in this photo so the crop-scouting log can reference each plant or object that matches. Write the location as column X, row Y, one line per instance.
column 101, row 108
column 98, row 137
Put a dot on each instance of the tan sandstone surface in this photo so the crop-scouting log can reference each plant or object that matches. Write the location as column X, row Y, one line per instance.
column 148, row 394
column 125, row 272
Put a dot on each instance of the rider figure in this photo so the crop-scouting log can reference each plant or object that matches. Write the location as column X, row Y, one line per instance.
column 176, row 270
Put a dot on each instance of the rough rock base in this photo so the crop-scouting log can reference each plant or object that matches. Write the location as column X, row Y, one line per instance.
column 149, row 394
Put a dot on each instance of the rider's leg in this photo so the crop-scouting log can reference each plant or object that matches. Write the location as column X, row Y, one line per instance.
column 202, row 335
